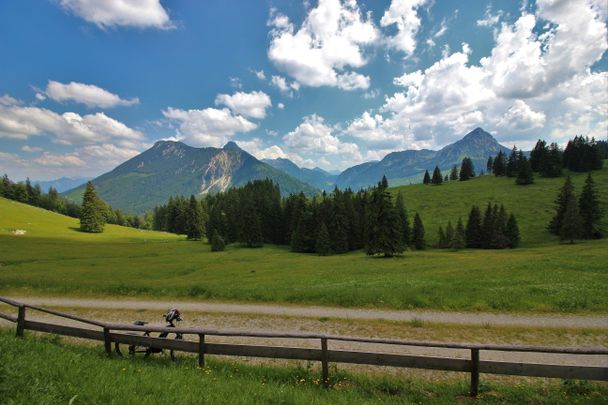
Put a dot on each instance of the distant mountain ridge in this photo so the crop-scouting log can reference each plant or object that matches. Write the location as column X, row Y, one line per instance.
column 62, row 184
column 173, row 168
column 316, row 177
column 409, row 166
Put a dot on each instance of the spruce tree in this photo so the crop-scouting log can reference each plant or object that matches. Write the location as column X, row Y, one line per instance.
column 442, row 241
column 427, row 178
column 217, row 243
column 473, row 232
column 489, row 165
column 384, row 236
column 500, row 165
column 459, row 239
column 92, row 216
column 250, row 234
column 524, row 174
column 195, row 228
column 446, row 178
column 566, row 194
column 403, row 221
column 512, row 163
column 538, row 155
column 467, row 171
column 454, row 173
column 418, row 233
column 323, row 242
column 571, row 226
column 552, row 164
column 437, row 176
column 590, row 211
column 512, row 232
column 488, row 228
column 449, row 235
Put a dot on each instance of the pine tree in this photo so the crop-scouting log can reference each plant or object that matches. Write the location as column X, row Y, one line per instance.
column 538, row 155
column 488, row 228
column 571, row 227
column 490, row 165
column 92, row 216
column 552, row 164
column 195, row 228
column 437, row 176
column 418, row 233
column 446, row 178
column 566, row 194
column 442, row 241
column 449, row 235
column 384, row 236
column 427, row 178
column 473, row 233
column 512, row 163
column 459, row 239
column 524, row 174
column 500, row 165
column 512, row 232
column 217, row 243
column 323, row 243
column 250, row 233
column 454, row 173
column 403, row 221
column 590, row 211
column 467, row 171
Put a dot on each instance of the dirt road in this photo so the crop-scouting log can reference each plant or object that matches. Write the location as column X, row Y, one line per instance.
column 474, row 318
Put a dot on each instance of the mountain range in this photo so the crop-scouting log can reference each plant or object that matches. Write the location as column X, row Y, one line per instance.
column 172, row 168
column 62, row 184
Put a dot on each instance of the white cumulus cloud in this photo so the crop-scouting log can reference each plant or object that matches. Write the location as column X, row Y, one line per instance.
column 111, row 13
column 403, row 14
column 252, row 104
column 88, row 94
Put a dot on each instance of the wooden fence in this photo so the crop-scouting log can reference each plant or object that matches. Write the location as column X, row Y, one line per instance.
column 111, row 332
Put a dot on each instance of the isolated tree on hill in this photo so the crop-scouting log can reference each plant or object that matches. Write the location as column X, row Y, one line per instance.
column 590, row 211
column 427, row 178
column 571, row 227
column 418, row 233
column 454, row 173
column 565, row 195
column 524, row 174
column 538, row 155
column 459, row 239
column 512, row 232
column 92, row 215
column 437, row 176
column 467, row 171
column 489, row 165
column 217, row 243
column 473, row 232
column 323, row 243
column 195, row 228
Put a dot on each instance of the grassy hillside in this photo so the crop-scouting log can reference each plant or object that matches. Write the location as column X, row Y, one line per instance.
column 53, row 257
column 47, row 371
column 532, row 205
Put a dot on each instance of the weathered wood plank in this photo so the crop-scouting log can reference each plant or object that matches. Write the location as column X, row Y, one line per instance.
column 67, row 316
column 20, row 321
column 544, row 370
column 9, row 301
column 324, row 363
column 474, row 372
column 64, row 330
column 201, row 350
column 397, row 360
column 155, row 342
column 276, row 352
column 9, row 318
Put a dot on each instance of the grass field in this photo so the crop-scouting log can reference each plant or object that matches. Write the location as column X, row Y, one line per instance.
column 43, row 370
column 53, row 257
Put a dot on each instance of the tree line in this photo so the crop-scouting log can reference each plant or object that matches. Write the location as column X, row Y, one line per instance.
column 467, row 172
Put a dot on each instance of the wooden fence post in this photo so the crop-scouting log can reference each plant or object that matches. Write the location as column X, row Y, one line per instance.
column 21, row 321
column 324, row 362
column 107, row 341
column 201, row 350
column 474, row 372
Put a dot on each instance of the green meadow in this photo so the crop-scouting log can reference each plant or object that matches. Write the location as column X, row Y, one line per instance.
column 543, row 275
column 44, row 370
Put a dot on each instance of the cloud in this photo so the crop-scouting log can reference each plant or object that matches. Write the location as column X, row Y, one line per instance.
column 260, row 74
column 281, row 83
column 31, row 149
column 112, row 13
column 330, row 41
column 404, row 15
column 63, row 160
column 534, row 79
column 19, row 122
column 280, row 106
column 489, row 19
column 209, row 126
column 252, row 104
column 88, row 94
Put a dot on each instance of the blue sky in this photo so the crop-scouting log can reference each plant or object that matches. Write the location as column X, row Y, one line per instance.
column 87, row 84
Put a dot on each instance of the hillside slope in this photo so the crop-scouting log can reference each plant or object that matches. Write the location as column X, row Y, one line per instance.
column 533, row 205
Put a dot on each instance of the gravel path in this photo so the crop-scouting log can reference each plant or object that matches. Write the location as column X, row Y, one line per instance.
column 463, row 318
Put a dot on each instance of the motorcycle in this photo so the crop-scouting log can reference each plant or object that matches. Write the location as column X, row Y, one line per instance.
column 171, row 316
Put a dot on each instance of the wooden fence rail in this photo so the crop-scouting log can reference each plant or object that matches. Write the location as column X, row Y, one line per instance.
column 109, row 334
